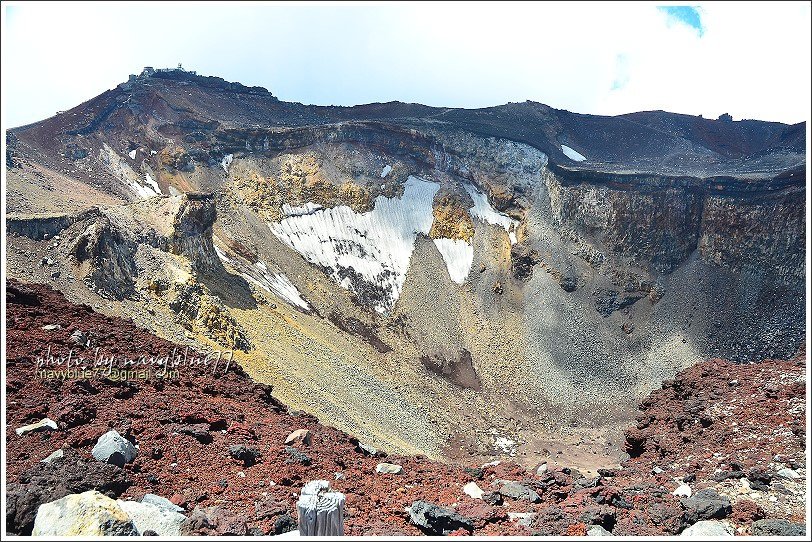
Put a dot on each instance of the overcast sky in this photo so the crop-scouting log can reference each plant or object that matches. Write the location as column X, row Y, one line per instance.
column 751, row 60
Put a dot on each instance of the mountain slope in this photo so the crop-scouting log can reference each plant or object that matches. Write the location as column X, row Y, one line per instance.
column 456, row 283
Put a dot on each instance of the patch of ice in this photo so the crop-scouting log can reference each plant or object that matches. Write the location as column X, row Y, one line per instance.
column 482, row 209
column 364, row 249
column 386, row 169
column 278, row 284
column 153, row 184
column 458, row 256
column 132, row 154
column 226, row 161
column 306, row 209
column 572, row 154
column 222, row 255
column 153, row 152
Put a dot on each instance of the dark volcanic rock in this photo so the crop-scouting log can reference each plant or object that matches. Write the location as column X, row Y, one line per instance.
column 46, row 482
column 777, row 527
column 434, row 520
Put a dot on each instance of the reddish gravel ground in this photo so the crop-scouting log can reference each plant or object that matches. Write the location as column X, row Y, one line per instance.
column 716, row 417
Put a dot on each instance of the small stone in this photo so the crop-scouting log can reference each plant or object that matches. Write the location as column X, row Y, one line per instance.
column 517, row 491
column 473, row 490
column 300, row 436
column 543, row 468
column 597, row 530
column 248, row 456
column 56, row 455
column 777, row 527
column 522, row 518
column 788, row 474
column 494, row 498
column 297, row 457
column 114, row 449
column 366, row 449
column 683, row 491
column 388, row 468
column 45, row 424
column 79, row 337
column 657, row 470
column 51, row 327
column 707, row 528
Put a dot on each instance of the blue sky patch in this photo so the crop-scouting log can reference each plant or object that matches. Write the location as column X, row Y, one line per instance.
column 686, row 15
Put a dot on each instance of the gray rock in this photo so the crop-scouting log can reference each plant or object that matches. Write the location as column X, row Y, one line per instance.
column 297, row 457
column 45, row 424
column 248, row 456
column 434, row 520
column 788, row 474
column 150, row 517
column 114, row 449
column 388, row 468
column 161, row 502
column 777, row 527
column 706, row 504
column 517, row 491
column 525, row 519
column 56, row 455
column 706, row 529
column 79, row 337
column 83, row 514
column 597, row 530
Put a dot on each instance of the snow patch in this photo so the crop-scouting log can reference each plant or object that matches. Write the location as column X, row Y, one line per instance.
column 151, row 182
column 222, row 255
column 119, row 167
column 458, row 256
column 572, row 154
column 482, row 210
column 278, row 284
column 306, row 209
column 386, row 169
column 226, row 161
column 132, row 154
column 364, row 249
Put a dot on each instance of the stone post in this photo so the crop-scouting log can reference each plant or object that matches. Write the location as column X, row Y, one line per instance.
column 321, row 511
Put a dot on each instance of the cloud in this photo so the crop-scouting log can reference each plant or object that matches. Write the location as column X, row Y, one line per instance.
column 751, row 61
column 686, row 15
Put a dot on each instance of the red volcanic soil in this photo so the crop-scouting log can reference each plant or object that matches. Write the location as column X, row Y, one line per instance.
column 714, row 417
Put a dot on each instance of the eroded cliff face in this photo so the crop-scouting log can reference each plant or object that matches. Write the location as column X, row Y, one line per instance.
column 434, row 281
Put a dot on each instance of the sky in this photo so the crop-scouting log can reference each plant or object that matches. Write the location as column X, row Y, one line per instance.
column 751, row 60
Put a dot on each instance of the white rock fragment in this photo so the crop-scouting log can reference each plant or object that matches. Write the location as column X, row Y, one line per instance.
column 708, row 528
column 388, row 468
column 572, row 154
column 150, row 517
column 683, row 490
column 132, row 154
column 45, row 424
column 788, row 474
column 473, row 490
column 597, row 530
column 56, row 455
column 386, row 170
column 226, row 161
